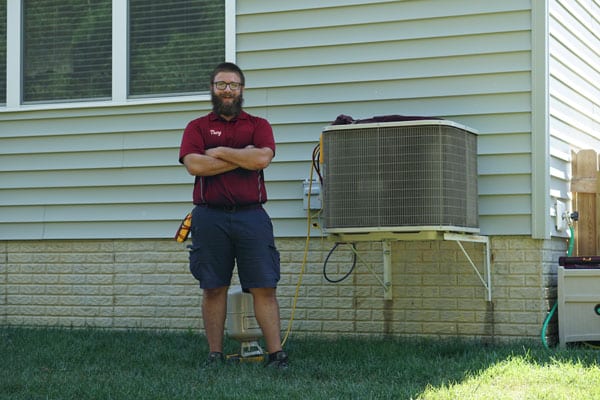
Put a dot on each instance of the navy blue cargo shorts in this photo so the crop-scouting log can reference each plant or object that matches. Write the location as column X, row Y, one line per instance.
column 223, row 239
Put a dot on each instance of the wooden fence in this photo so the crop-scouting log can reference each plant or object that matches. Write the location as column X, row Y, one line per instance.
column 585, row 189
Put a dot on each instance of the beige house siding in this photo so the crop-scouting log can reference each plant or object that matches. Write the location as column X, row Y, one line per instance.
column 574, row 58
column 123, row 284
column 574, row 89
column 468, row 62
column 104, row 171
column 93, row 173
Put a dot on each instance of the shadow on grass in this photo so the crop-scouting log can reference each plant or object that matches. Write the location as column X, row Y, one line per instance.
column 47, row 363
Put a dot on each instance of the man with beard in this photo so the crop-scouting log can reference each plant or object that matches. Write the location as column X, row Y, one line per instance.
column 227, row 150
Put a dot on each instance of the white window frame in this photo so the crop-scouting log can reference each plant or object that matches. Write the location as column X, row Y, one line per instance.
column 120, row 48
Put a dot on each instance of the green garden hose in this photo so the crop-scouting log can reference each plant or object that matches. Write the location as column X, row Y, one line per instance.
column 571, row 241
column 555, row 306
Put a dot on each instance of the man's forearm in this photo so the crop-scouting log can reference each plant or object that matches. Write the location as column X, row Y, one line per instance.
column 206, row 165
column 250, row 157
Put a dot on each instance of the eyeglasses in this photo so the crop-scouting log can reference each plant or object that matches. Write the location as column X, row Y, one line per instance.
column 221, row 85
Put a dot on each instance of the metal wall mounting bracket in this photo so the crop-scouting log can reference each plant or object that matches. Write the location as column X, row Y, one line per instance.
column 387, row 237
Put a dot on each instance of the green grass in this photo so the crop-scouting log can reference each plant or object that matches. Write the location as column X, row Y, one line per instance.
column 94, row 364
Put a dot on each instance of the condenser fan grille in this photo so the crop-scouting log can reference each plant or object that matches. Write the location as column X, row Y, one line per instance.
column 394, row 175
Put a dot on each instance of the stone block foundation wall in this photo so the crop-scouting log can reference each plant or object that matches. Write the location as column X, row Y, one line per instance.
column 145, row 284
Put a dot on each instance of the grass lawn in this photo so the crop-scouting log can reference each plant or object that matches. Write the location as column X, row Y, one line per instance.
column 95, row 364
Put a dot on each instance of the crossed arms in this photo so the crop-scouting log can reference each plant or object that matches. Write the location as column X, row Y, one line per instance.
column 223, row 159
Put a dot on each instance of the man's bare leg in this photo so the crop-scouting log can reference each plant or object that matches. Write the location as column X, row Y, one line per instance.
column 266, row 310
column 214, row 312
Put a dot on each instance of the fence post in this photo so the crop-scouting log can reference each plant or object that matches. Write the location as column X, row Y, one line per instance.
column 597, row 216
column 584, row 186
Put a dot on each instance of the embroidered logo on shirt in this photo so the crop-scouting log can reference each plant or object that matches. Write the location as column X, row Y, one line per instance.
column 213, row 132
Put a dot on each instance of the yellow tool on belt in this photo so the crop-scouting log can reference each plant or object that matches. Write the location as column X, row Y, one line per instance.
column 184, row 229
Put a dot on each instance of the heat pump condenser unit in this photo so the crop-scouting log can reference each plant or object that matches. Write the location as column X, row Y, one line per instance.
column 400, row 176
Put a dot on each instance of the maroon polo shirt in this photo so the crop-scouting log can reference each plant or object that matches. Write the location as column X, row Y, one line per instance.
column 237, row 187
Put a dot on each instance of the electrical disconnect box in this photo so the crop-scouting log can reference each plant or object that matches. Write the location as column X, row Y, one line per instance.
column 560, row 216
column 312, row 189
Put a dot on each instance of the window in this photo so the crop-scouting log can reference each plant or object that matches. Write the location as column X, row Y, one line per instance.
column 110, row 50
column 67, row 50
column 2, row 52
column 174, row 45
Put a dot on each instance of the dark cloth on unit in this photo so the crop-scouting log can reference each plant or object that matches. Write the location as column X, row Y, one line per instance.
column 343, row 119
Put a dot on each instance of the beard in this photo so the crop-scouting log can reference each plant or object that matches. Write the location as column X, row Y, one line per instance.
column 227, row 109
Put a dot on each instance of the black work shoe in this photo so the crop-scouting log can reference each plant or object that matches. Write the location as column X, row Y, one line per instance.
column 214, row 358
column 278, row 360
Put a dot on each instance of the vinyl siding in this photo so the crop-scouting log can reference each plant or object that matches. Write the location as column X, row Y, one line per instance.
column 575, row 73
column 469, row 64
column 574, row 88
column 112, row 172
column 108, row 172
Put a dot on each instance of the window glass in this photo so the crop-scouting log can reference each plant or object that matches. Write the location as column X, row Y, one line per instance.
column 67, row 50
column 2, row 52
column 174, row 44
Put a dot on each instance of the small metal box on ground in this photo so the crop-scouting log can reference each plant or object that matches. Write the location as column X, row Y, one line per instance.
column 578, row 299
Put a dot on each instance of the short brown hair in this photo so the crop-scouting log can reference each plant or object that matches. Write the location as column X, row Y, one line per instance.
column 227, row 67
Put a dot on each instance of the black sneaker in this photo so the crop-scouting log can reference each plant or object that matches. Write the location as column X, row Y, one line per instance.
column 214, row 358
column 278, row 360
